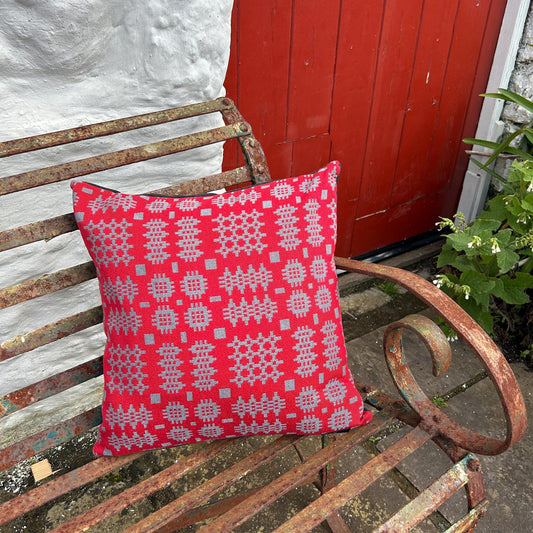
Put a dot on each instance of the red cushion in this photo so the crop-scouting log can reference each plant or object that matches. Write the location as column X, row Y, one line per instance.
column 221, row 313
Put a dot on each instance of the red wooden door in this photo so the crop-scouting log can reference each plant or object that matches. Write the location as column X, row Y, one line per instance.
column 388, row 87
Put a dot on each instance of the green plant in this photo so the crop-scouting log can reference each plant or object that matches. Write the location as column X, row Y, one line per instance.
column 486, row 265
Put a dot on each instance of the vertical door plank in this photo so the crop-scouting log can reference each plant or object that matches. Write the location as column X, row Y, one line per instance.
column 412, row 177
column 359, row 34
column 396, row 57
column 314, row 41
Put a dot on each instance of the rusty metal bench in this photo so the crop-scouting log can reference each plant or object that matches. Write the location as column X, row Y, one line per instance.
column 168, row 490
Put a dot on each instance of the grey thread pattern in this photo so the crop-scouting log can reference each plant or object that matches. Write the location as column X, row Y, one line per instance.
column 114, row 202
column 282, row 190
column 136, row 440
column 288, row 230
column 332, row 206
column 120, row 290
column 156, row 241
column 240, row 233
column 175, row 412
column 323, row 298
column 179, row 434
column 264, row 405
column 109, row 241
column 158, row 205
column 207, row 410
column 330, row 339
column 252, row 196
column 308, row 399
column 304, row 346
column 198, row 316
column 194, row 285
column 161, row 287
column 340, row 419
column 164, row 319
column 203, row 361
column 309, row 424
column 125, row 321
column 244, row 311
column 240, row 279
column 310, row 185
column 299, row 303
column 188, row 204
column 313, row 229
column 170, row 364
column 335, row 391
column 264, row 429
column 319, row 269
column 293, row 272
column 188, row 239
column 210, row 431
column 125, row 370
column 130, row 417
column 255, row 359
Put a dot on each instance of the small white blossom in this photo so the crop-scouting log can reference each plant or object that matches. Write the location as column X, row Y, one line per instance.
column 438, row 281
column 530, row 187
column 495, row 248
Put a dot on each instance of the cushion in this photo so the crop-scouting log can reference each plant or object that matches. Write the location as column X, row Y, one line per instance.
column 221, row 313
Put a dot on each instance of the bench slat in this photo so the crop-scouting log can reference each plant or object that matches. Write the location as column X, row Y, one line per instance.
column 46, row 284
column 47, row 387
column 90, row 165
column 50, row 333
column 429, row 500
column 347, row 489
column 163, row 520
column 48, row 438
column 130, row 496
column 109, row 127
column 53, row 227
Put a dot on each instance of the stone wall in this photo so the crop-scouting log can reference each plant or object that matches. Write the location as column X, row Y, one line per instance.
column 513, row 116
column 66, row 63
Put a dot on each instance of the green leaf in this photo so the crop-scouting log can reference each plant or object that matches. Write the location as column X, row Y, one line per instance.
column 460, row 240
column 482, row 223
column 517, row 99
column 481, row 286
column 479, row 313
column 511, row 290
column 529, row 135
column 447, row 256
column 507, row 259
column 501, row 179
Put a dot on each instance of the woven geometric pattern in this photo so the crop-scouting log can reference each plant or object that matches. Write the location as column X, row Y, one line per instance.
column 221, row 313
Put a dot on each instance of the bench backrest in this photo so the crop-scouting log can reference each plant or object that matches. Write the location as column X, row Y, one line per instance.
column 24, row 436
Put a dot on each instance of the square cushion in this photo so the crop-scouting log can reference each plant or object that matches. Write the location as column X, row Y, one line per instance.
column 221, row 313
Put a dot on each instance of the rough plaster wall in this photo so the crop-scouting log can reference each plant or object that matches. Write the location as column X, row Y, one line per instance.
column 66, row 63
column 513, row 116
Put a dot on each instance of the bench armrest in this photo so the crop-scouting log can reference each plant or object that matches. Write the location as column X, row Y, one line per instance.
column 434, row 420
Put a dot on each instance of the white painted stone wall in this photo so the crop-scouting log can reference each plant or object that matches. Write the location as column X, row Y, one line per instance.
column 65, row 63
column 513, row 116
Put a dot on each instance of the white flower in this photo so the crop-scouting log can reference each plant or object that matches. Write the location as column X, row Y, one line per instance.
column 530, row 187
column 438, row 281
column 495, row 248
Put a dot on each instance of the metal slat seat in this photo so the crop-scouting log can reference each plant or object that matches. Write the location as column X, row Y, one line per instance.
column 237, row 491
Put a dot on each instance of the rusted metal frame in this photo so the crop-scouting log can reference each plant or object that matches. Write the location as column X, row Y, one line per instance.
column 110, row 127
column 50, row 437
column 138, row 492
column 164, row 520
column 59, row 486
column 317, row 511
column 468, row 522
column 429, row 500
column 297, row 475
column 46, row 284
column 487, row 352
column 89, row 165
column 50, row 333
column 251, row 148
column 37, row 231
column 49, row 387
column 53, row 227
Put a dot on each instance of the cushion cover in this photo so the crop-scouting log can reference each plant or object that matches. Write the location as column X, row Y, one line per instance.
column 221, row 313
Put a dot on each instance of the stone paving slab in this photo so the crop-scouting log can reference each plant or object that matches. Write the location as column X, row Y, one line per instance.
column 507, row 476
